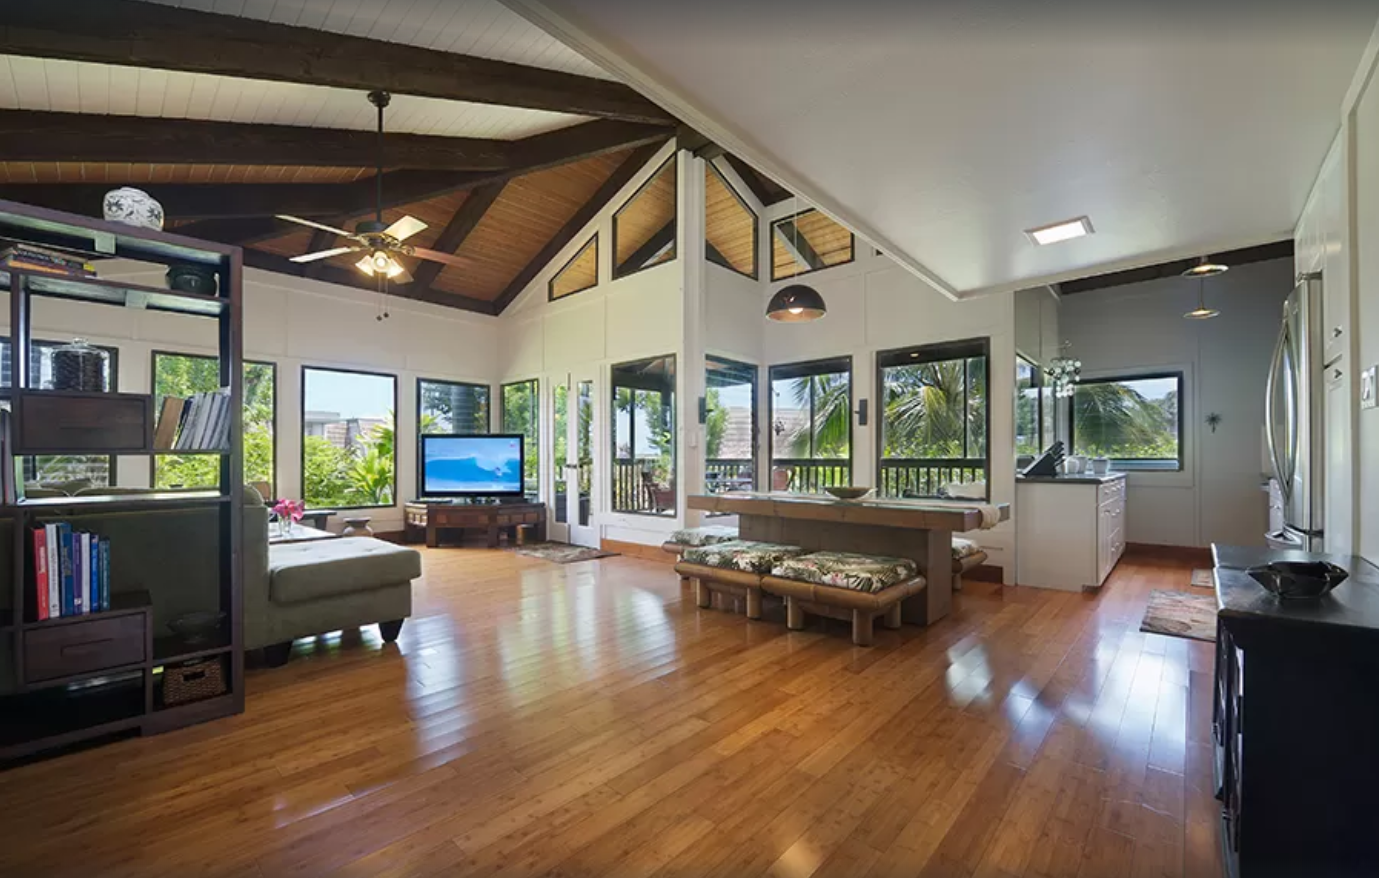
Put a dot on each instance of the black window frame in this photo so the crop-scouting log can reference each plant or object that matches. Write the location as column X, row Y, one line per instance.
column 486, row 388
column 618, row 272
column 804, row 369
column 755, row 406
column 944, row 351
column 711, row 253
column 152, row 379
column 550, row 284
column 852, row 247
column 673, row 409
column 301, row 430
column 1129, row 464
column 1036, row 384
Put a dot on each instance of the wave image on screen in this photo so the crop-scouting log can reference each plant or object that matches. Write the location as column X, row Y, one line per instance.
column 472, row 465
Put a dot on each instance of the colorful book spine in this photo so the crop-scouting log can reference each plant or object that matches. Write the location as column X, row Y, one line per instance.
column 79, row 562
column 105, row 572
column 40, row 573
column 68, row 574
column 93, row 547
column 54, row 571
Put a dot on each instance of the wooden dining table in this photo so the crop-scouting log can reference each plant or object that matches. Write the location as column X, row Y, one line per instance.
column 919, row 530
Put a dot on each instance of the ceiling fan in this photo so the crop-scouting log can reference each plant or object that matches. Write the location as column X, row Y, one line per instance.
column 381, row 244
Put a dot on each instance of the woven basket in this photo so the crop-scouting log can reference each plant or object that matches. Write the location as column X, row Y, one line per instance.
column 193, row 682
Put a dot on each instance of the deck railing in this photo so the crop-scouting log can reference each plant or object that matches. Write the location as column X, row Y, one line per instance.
column 633, row 492
column 915, row 477
column 722, row 474
column 809, row 476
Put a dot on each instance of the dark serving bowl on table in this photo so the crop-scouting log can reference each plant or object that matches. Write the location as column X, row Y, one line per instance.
column 848, row 492
column 1298, row 580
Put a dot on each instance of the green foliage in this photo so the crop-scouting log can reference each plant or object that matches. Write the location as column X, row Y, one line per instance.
column 520, row 415
column 326, row 474
column 454, row 408
column 185, row 374
column 827, row 433
column 935, row 410
column 1113, row 419
column 715, row 423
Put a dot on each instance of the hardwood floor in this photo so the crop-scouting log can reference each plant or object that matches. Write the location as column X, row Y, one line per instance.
column 588, row 720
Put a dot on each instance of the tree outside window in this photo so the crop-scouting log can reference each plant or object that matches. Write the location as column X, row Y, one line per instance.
column 348, row 438
column 185, row 374
column 521, row 414
column 1136, row 422
column 811, row 425
column 644, row 436
column 730, row 425
column 97, row 470
column 451, row 407
column 1029, row 421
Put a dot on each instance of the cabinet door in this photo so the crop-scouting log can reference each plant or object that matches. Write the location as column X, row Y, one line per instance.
column 1104, row 548
column 1339, row 477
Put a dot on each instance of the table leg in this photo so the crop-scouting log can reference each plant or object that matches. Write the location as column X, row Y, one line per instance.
column 431, row 537
column 493, row 536
column 937, row 599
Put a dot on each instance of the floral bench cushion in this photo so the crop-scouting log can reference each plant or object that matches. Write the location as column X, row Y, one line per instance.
column 704, row 536
column 964, row 548
column 868, row 573
column 744, row 555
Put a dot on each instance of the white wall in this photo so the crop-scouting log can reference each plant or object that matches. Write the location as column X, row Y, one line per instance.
column 293, row 322
column 1139, row 328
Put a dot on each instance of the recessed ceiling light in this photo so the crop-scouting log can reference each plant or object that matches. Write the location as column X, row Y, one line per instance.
column 1064, row 231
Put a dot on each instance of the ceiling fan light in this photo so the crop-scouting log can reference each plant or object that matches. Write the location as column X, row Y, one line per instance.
column 394, row 268
column 796, row 303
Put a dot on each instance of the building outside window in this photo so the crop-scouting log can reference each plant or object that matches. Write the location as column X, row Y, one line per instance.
column 349, row 455
column 811, row 425
column 730, row 425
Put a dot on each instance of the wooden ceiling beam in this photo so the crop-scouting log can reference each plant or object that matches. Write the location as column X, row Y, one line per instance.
column 453, row 236
column 350, row 278
column 575, row 224
column 134, row 34
column 32, row 136
column 788, row 233
column 767, row 191
column 1243, row 256
column 651, row 248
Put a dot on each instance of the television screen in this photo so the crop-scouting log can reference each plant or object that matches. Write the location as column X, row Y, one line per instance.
column 471, row 466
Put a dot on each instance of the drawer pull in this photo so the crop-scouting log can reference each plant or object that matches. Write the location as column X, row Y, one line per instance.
column 78, row 649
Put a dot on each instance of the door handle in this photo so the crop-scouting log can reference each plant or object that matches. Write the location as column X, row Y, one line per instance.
column 1269, row 390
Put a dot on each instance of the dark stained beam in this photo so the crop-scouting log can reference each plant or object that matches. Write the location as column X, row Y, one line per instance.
column 798, row 246
column 1243, row 256
column 600, row 199
column 351, row 278
column 320, row 240
column 152, row 35
column 767, row 191
column 32, row 136
column 651, row 248
column 690, row 139
column 457, row 230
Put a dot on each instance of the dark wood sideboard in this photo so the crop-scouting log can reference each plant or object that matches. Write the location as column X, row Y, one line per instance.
column 431, row 520
column 1296, row 723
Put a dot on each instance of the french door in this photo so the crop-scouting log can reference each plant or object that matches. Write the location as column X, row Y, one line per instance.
column 575, row 464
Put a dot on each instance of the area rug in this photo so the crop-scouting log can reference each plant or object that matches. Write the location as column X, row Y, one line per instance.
column 1202, row 579
column 1179, row 614
column 560, row 553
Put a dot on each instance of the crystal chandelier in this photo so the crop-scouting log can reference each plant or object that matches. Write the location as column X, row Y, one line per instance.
column 1063, row 373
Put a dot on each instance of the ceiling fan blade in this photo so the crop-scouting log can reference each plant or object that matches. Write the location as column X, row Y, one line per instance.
column 405, row 228
column 315, row 225
column 323, row 254
column 438, row 256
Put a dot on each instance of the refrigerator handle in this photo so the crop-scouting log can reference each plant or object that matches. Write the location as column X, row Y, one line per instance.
column 1270, row 437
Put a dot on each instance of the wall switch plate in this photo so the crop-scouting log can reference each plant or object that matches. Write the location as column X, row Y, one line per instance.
column 1368, row 399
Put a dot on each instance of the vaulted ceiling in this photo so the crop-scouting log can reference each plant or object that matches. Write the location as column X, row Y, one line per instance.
column 502, row 140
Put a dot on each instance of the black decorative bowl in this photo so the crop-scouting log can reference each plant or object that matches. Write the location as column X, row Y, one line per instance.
column 1298, row 580
column 190, row 278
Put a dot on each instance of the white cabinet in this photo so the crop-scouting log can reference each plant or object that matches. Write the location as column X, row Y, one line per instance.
column 1070, row 531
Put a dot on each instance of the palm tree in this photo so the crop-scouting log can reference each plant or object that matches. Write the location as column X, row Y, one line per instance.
column 827, row 432
column 1115, row 419
column 935, row 410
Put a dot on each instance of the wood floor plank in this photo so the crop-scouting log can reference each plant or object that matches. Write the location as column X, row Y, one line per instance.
column 546, row 721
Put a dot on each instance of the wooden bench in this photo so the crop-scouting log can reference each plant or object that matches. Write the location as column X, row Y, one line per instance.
column 732, row 568
column 878, row 586
column 689, row 537
column 966, row 555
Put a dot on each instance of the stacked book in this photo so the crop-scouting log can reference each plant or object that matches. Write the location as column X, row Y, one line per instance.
column 26, row 257
column 199, row 423
column 11, row 481
column 72, row 572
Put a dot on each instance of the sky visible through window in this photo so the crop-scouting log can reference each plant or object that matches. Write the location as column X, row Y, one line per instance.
column 1155, row 388
column 349, row 394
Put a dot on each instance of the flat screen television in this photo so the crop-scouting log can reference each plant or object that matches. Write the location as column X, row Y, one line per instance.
column 472, row 465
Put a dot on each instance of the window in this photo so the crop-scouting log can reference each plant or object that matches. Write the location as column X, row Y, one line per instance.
column 185, row 374
column 730, row 227
column 934, row 418
column 644, row 227
column 521, row 414
column 644, row 436
column 730, row 425
column 1029, row 408
column 807, row 242
column 451, row 407
column 97, row 470
column 579, row 274
column 1137, row 422
column 349, row 458
column 811, row 425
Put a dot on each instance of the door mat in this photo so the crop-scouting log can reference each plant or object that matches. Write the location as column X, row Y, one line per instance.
column 560, row 553
column 1202, row 579
column 1179, row 614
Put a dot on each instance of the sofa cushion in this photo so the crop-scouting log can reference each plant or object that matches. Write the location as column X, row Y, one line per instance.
column 868, row 573
column 964, row 548
column 744, row 555
column 326, row 568
column 704, row 536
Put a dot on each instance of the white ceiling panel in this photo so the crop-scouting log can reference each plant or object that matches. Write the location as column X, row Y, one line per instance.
column 484, row 28
column 81, row 87
column 944, row 130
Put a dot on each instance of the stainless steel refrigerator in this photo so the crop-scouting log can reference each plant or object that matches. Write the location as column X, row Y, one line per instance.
column 1293, row 419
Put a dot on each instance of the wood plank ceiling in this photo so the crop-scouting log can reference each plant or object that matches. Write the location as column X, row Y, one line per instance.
column 501, row 140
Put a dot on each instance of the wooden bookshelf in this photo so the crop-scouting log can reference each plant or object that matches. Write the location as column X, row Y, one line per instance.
column 45, row 707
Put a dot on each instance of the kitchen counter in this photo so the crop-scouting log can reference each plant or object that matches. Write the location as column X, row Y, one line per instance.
column 1073, row 479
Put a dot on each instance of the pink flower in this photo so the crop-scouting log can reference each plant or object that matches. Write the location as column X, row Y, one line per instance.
column 292, row 510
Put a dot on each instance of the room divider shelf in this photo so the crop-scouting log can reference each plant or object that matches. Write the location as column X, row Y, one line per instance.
column 113, row 292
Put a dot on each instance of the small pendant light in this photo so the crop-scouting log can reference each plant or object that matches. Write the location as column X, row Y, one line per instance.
column 797, row 303
column 1202, row 312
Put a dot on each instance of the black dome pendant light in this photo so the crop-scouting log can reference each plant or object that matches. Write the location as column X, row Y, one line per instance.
column 797, row 303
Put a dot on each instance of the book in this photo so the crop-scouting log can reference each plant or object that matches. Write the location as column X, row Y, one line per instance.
column 79, row 561
column 169, row 419
column 105, row 572
column 54, row 571
column 65, row 565
column 93, row 544
column 30, row 257
column 9, row 493
column 40, row 539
